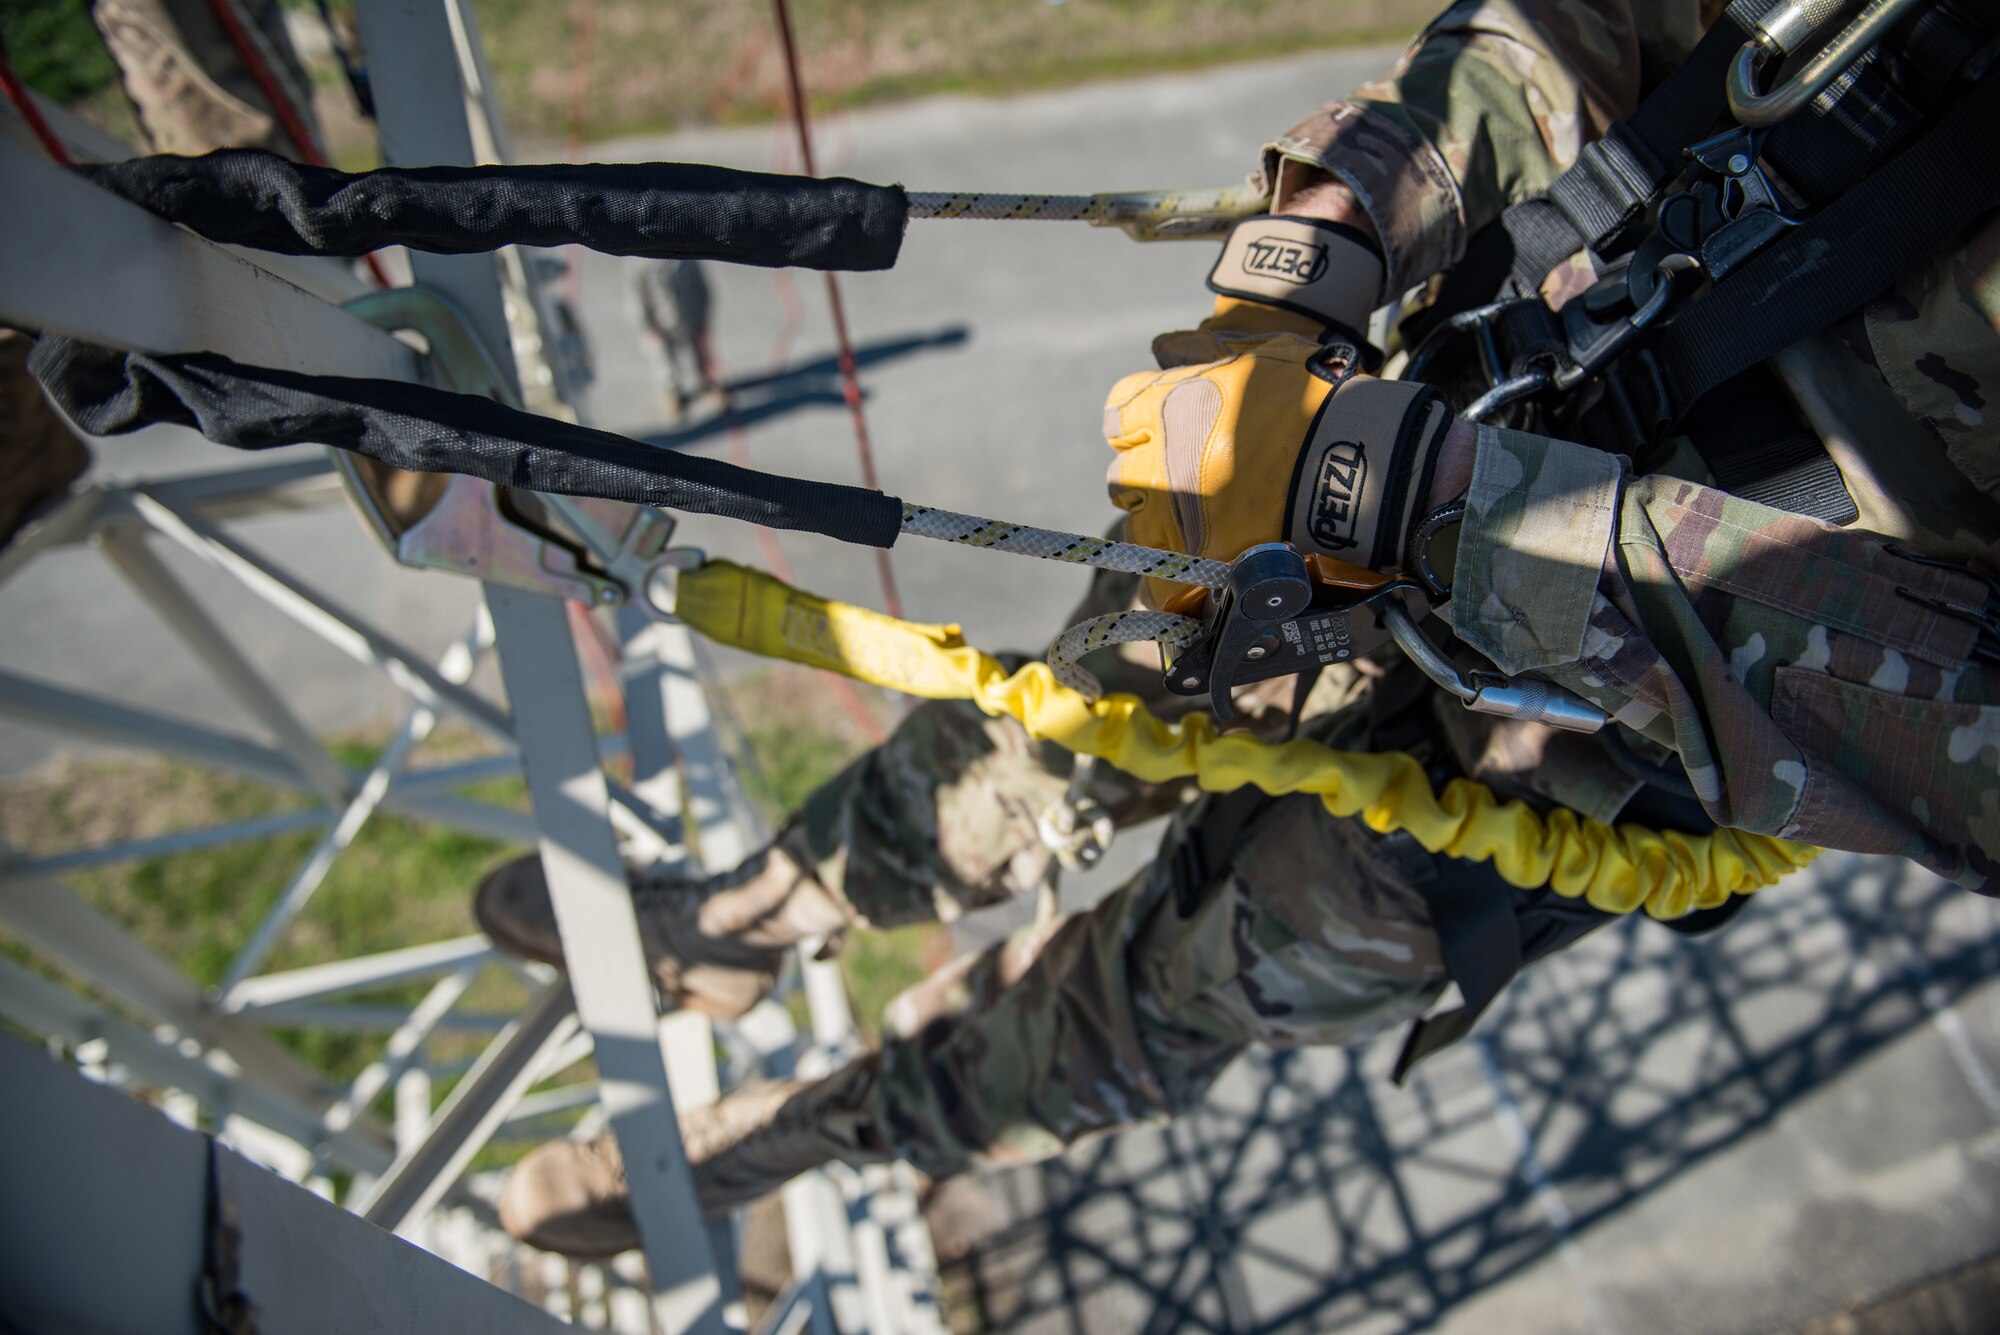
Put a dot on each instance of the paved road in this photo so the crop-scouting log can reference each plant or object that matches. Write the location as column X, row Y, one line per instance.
column 987, row 353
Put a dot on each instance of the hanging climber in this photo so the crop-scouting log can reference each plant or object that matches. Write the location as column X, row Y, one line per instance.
column 1802, row 651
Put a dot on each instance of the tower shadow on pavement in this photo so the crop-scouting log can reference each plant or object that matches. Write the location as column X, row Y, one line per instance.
column 1310, row 1194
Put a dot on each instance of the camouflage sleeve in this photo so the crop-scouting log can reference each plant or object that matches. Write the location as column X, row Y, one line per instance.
column 1816, row 683
column 1489, row 103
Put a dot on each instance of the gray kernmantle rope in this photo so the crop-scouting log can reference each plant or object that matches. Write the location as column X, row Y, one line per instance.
column 1054, row 545
column 249, row 197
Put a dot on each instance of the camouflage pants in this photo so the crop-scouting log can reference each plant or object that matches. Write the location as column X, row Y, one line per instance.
column 1306, row 929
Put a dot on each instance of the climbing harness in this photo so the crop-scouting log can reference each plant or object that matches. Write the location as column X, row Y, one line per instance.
column 1710, row 238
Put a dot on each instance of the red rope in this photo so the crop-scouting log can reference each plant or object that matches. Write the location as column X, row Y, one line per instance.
column 850, row 379
column 600, row 655
column 583, row 33
column 582, row 49
column 281, row 106
column 260, row 73
column 17, row 93
column 838, row 686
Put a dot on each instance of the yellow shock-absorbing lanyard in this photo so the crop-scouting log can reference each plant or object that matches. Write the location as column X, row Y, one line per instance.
column 1616, row 868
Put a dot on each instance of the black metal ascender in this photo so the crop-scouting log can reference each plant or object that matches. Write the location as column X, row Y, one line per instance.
column 1283, row 612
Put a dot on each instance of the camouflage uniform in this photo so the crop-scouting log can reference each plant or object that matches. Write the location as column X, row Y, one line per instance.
column 1816, row 681
column 1126, row 1011
column 1810, row 677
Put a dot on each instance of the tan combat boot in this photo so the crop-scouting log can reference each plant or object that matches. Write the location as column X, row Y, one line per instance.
column 714, row 945
column 571, row 1196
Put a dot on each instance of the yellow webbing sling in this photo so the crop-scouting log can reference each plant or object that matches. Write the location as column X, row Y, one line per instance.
column 1617, row 869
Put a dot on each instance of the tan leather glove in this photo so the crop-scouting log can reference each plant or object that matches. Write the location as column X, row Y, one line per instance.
column 1258, row 427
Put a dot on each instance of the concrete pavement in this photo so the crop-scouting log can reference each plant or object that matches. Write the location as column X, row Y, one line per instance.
column 1742, row 1134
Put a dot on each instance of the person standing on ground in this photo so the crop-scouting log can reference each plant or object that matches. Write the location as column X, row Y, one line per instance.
column 674, row 308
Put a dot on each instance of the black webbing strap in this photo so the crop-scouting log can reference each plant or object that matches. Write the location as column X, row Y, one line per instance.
column 1489, row 931
column 1606, row 190
column 1844, row 255
column 1479, row 936
column 658, row 210
column 1204, row 851
column 1543, row 238
column 1479, row 273
column 415, row 427
column 1756, row 448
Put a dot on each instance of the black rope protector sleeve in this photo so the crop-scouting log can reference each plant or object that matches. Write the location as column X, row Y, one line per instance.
column 658, row 210
column 429, row 430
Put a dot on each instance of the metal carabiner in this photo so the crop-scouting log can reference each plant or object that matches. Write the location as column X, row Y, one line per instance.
column 644, row 570
column 1516, row 698
column 1782, row 31
column 1532, row 381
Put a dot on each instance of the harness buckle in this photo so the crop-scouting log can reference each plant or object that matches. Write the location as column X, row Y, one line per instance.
column 1730, row 209
column 1593, row 345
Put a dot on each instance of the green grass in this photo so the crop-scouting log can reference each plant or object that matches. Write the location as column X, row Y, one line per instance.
column 879, row 966
column 54, row 48
column 400, row 883
column 789, row 762
column 658, row 64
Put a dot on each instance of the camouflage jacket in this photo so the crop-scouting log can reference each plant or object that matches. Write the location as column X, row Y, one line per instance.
column 1819, row 683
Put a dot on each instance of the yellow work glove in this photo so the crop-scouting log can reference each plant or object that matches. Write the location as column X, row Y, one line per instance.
column 1258, row 427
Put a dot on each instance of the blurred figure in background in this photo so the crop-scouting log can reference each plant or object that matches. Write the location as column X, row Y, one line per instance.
column 674, row 307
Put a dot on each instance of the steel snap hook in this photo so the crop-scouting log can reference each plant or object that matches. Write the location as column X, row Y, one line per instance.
column 1784, row 30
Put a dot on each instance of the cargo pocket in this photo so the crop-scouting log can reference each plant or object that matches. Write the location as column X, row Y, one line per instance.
column 1929, row 764
column 1234, row 972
